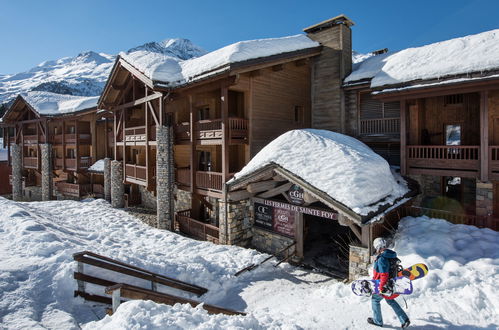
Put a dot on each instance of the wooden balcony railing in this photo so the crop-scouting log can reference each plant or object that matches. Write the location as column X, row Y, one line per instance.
column 70, row 138
column 443, row 160
column 183, row 176
column 380, row 126
column 494, row 163
column 30, row 139
column 195, row 228
column 136, row 172
column 138, row 134
column 73, row 189
column 70, row 163
column 30, row 162
column 209, row 180
column 210, row 131
column 473, row 220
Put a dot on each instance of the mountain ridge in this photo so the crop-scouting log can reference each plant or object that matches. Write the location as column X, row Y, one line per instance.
column 86, row 73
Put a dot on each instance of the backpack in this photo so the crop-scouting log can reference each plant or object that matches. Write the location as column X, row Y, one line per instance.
column 395, row 267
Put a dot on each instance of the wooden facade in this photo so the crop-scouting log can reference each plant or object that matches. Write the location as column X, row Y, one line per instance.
column 78, row 140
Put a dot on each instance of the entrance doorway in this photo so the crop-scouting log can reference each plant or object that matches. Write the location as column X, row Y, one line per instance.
column 326, row 246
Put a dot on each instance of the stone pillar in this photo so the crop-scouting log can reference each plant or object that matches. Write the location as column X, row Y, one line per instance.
column 107, row 179
column 358, row 262
column 237, row 229
column 17, row 175
column 117, row 187
column 484, row 198
column 164, row 176
column 46, row 153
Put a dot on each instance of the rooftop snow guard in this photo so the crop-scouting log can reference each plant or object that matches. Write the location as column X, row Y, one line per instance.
column 344, row 171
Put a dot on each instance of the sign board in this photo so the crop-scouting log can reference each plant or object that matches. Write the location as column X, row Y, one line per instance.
column 328, row 214
column 263, row 216
column 295, row 194
column 284, row 221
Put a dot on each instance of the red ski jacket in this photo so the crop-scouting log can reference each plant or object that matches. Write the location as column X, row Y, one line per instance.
column 382, row 268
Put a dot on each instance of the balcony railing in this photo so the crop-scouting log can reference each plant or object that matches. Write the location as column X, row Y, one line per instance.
column 136, row 172
column 73, row 189
column 494, row 163
column 70, row 138
column 70, row 163
column 380, row 126
column 138, row 134
column 444, row 160
column 210, row 131
column 195, row 228
column 209, row 180
column 30, row 139
column 30, row 162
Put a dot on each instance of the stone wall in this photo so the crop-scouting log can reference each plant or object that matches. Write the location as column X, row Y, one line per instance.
column 147, row 198
column 238, row 228
column 17, row 176
column 183, row 200
column 32, row 193
column 107, row 179
column 431, row 187
column 47, row 184
column 117, row 187
column 484, row 198
column 359, row 261
column 271, row 243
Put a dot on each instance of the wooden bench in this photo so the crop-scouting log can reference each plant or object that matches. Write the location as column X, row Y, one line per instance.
column 121, row 290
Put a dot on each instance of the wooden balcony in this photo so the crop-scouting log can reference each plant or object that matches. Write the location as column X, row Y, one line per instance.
column 463, row 161
column 494, row 163
column 211, row 181
column 136, row 174
column 382, row 126
column 209, row 131
column 30, row 139
column 30, row 162
column 73, row 164
column 137, row 135
column 195, row 228
column 73, row 189
column 83, row 139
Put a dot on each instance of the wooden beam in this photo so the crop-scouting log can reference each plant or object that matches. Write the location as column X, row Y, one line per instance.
column 276, row 191
column 308, row 198
column 278, row 67
column 192, row 120
column 225, row 132
column 484, row 137
column 256, row 187
column 279, row 178
column 153, row 112
column 239, row 195
column 140, row 101
column 136, row 73
column 403, row 137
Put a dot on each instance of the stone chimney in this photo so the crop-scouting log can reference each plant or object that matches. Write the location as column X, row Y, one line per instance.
column 328, row 71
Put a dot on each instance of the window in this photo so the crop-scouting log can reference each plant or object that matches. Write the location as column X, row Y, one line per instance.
column 203, row 113
column 454, row 99
column 452, row 135
column 204, row 161
column 299, row 114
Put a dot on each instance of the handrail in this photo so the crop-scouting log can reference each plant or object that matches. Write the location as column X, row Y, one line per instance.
column 443, row 152
column 380, row 126
column 129, row 291
column 90, row 258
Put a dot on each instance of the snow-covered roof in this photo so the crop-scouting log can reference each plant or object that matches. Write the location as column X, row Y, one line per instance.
column 98, row 166
column 172, row 71
column 459, row 56
column 340, row 166
column 46, row 103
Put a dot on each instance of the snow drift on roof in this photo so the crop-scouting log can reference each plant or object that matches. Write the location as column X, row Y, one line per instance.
column 340, row 166
column 98, row 166
column 46, row 103
column 474, row 53
column 172, row 71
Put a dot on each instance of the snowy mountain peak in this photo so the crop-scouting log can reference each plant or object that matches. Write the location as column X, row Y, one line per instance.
column 179, row 48
column 86, row 73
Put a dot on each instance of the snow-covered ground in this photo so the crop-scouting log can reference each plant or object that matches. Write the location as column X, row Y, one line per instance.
column 36, row 285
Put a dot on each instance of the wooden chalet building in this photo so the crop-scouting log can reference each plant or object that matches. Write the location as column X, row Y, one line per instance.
column 55, row 139
column 442, row 110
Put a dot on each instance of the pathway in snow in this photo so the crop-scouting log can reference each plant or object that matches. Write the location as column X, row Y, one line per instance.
column 36, row 286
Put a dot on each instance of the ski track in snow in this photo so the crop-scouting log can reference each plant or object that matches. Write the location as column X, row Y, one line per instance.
column 37, row 241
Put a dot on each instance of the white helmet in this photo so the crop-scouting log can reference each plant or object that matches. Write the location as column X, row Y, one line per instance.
column 380, row 243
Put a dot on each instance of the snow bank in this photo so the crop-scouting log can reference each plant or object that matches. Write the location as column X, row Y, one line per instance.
column 37, row 241
column 46, row 103
column 341, row 166
column 474, row 53
column 173, row 71
column 458, row 293
column 98, row 166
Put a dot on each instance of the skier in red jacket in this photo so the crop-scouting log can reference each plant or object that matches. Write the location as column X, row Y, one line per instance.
column 382, row 273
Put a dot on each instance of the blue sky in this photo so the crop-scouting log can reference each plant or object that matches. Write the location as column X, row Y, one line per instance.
column 35, row 31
